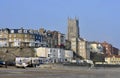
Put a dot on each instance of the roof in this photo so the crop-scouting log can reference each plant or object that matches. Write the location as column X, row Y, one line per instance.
column 117, row 56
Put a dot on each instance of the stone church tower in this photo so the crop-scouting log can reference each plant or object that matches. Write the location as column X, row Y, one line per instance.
column 73, row 33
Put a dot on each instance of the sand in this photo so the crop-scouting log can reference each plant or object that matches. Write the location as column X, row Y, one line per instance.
column 12, row 72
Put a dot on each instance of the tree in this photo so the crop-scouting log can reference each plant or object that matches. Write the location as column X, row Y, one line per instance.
column 96, row 57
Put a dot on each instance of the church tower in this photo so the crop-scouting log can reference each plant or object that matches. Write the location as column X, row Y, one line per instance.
column 73, row 33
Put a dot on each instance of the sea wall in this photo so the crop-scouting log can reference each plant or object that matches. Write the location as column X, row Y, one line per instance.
column 9, row 54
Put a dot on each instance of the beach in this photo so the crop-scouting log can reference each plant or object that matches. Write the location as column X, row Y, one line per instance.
column 12, row 72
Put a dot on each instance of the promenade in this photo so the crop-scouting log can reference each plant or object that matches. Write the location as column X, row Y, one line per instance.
column 12, row 72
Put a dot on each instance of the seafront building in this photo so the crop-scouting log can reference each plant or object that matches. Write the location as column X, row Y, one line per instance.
column 68, row 55
column 112, row 59
column 31, row 38
column 4, row 37
column 53, row 39
column 54, row 55
column 115, row 51
column 109, row 49
column 95, row 47
column 20, row 38
column 83, row 49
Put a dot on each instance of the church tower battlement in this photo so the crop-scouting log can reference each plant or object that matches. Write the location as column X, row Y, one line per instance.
column 73, row 28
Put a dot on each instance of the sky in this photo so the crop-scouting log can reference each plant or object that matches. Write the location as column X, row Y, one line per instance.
column 99, row 20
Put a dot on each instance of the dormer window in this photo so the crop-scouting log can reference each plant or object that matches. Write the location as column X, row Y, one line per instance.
column 19, row 31
column 25, row 31
column 12, row 31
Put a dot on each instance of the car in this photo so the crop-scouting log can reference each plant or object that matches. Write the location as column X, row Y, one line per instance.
column 2, row 63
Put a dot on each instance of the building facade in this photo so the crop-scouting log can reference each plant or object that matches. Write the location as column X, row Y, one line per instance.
column 42, row 31
column 115, row 51
column 95, row 47
column 4, row 37
column 112, row 59
column 61, row 39
column 73, row 34
column 68, row 56
column 83, row 49
column 20, row 38
column 107, row 48
column 53, row 39
column 67, row 45
column 53, row 55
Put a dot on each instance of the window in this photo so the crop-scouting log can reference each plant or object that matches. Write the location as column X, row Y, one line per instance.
column 12, row 31
column 19, row 39
column 26, row 40
column 33, row 36
column 14, row 35
column 10, row 35
column 14, row 39
column 10, row 40
column 106, row 48
column 19, row 31
column 25, row 31
column 25, row 35
column 18, row 43
column 49, row 55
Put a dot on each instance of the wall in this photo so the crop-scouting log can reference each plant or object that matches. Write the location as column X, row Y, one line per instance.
column 9, row 54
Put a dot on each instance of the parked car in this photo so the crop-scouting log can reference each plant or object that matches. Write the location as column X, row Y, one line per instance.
column 10, row 63
column 2, row 63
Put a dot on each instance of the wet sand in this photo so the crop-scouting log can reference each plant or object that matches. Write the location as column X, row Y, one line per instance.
column 57, row 73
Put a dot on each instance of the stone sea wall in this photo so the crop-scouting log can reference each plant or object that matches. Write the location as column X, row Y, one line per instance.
column 9, row 54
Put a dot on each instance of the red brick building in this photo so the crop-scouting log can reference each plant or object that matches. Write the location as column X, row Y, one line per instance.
column 115, row 51
column 107, row 48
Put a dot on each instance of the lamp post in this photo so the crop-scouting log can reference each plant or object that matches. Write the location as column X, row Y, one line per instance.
column 5, row 59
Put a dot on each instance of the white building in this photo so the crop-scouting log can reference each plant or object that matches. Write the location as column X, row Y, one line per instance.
column 53, row 55
column 95, row 47
column 68, row 55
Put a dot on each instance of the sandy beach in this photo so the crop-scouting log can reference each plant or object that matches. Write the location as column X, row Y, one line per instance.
column 12, row 72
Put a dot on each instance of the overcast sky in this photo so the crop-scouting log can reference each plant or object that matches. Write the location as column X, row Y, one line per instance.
column 99, row 20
